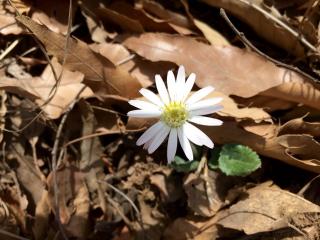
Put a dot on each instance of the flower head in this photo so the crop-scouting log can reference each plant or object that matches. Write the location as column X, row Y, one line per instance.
column 175, row 110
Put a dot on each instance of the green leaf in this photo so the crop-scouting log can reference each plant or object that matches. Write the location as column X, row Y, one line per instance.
column 181, row 165
column 238, row 160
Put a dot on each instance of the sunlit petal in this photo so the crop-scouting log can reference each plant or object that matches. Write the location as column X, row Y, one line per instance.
column 143, row 105
column 188, row 86
column 144, row 113
column 185, row 144
column 161, row 87
column 199, row 95
column 151, row 97
column 205, row 111
column 158, row 139
column 150, row 133
column 180, row 83
column 204, row 103
column 205, row 121
column 196, row 136
column 171, row 82
column 172, row 145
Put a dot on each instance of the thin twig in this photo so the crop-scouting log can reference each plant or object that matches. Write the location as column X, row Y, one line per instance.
column 125, row 197
column 9, row 49
column 101, row 134
column 11, row 235
column 245, row 41
column 290, row 30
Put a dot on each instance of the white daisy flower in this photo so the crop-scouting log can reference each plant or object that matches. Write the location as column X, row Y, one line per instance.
column 176, row 111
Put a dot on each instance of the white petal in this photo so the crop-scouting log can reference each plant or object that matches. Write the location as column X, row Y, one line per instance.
column 158, row 139
column 185, row 144
column 199, row 95
column 150, row 133
column 205, row 111
column 151, row 97
column 172, row 145
column 204, row 103
column 147, row 144
column 171, row 82
column 144, row 113
column 196, row 136
column 162, row 89
column 205, row 121
column 180, row 83
column 143, row 105
column 188, row 86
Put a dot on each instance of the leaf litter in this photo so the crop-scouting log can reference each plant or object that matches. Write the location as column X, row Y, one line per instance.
column 69, row 165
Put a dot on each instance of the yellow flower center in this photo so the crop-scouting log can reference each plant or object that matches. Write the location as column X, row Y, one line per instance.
column 174, row 114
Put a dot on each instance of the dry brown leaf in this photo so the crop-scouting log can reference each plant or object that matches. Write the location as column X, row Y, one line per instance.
column 261, row 23
column 212, row 35
column 192, row 228
column 261, row 207
column 42, row 214
column 53, row 14
column 231, row 109
column 141, row 69
column 229, row 69
column 73, row 200
column 91, row 152
column 125, row 23
column 168, row 185
column 100, row 74
column 299, row 126
column 40, row 89
column 148, row 22
column 8, row 23
column 180, row 23
column 299, row 92
column 196, row 189
column 268, row 144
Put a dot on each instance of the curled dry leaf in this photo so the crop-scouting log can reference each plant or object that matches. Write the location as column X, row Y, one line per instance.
column 198, row 193
column 271, row 145
column 73, row 200
column 52, row 97
column 100, row 73
column 8, row 24
column 53, row 14
column 192, row 228
column 141, row 69
column 179, row 22
column 148, row 22
column 299, row 126
column 298, row 92
column 261, row 207
column 229, row 69
column 260, row 21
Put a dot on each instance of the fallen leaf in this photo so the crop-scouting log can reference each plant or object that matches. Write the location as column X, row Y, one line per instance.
column 260, row 208
column 299, row 126
column 126, row 24
column 182, row 24
column 229, row 69
column 246, row 11
column 8, row 23
column 100, row 74
column 73, row 200
column 212, row 35
column 44, row 91
column 54, row 15
column 192, row 228
column 140, row 68
column 198, row 192
column 298, row 92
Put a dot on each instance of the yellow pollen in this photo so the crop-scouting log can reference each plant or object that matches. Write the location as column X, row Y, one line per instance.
column 174, row 114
